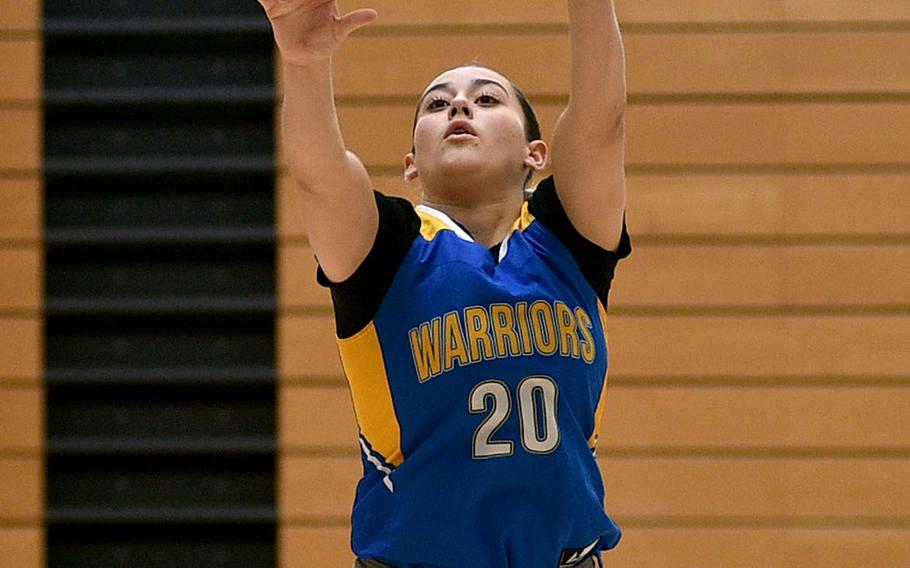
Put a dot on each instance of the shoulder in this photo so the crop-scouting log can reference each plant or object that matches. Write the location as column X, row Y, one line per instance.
column 596, row 263
column 357, row 299
column 545, row 205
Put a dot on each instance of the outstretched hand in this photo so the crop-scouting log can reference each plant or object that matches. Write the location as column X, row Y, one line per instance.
column 311, row 30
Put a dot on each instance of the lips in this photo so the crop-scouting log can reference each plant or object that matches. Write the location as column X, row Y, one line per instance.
column 460, row 126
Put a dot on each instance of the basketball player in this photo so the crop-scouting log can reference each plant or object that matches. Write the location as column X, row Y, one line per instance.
column 472, row 328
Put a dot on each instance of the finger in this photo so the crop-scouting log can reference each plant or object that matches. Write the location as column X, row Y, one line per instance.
column 268, row 4
column 357, row 19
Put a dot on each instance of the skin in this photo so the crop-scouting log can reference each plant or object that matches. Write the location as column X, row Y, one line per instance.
column 478, row 180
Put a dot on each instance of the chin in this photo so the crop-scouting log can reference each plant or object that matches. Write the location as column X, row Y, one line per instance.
column 462, row 159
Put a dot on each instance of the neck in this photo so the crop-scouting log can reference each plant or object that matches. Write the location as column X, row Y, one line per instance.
column 488, row 221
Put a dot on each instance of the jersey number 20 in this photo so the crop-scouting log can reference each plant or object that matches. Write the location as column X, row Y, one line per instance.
column 537, row 398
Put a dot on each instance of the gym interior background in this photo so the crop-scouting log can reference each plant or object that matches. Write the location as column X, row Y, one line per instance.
column 170, row 393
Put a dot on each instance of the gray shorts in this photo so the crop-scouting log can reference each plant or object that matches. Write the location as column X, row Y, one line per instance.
column 590, row 562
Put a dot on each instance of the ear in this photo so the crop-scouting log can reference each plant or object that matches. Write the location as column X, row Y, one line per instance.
column 538, row 152
column 410, row 167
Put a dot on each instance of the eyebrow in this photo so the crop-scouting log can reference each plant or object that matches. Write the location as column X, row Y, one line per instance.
column 474, row 83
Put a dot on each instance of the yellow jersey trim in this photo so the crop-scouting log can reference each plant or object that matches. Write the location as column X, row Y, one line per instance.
column 430, row 225
column 524, row 220
column 432, row 221
column 601, row 403
column 364, row 366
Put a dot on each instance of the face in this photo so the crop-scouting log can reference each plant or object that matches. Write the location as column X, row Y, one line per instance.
column 483, row 100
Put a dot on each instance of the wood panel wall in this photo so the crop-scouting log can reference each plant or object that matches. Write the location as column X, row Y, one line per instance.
column 760, row 369
column 21, row 257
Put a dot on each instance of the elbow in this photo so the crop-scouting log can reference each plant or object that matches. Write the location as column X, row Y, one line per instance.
column 610, row 127
column 612, row 119
column 604, row 120
column 614, row 123
column 315, row 172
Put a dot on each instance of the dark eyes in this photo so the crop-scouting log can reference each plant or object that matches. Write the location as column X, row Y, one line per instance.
column 432, row 104
column 490, row 99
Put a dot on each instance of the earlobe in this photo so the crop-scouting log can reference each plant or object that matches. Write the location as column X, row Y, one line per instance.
column 410, row 167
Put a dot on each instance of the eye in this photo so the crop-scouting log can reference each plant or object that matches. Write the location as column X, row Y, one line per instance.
column 432, row 104
column 491, row 98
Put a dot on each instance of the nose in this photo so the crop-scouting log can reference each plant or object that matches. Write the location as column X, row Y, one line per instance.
column 462, row 104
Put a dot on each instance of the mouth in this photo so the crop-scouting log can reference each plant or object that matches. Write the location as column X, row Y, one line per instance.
column 460, row 130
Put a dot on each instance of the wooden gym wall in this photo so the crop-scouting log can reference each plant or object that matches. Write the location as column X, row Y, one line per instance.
column 760, row 378
column 21, row 390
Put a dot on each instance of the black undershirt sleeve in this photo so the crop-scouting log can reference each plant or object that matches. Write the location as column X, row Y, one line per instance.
column 357, row 299
column 596, row 263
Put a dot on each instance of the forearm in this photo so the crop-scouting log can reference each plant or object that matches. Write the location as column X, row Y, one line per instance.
column 311, row 137
column 588, row 149
column 598, row 77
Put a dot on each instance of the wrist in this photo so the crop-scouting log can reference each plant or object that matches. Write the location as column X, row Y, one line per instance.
column 305, row 63
column 307, row 70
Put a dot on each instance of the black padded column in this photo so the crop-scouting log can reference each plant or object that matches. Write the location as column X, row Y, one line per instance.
column 160, row 284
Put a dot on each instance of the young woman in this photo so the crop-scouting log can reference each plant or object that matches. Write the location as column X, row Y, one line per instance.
column 472, row 328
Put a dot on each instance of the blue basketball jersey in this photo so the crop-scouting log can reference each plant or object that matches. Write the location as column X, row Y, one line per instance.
column 478, row 385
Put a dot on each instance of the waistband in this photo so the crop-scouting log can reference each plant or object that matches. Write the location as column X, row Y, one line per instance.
column 592, row 561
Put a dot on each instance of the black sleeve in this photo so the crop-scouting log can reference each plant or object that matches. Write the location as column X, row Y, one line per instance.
column 596, row 263
column 357, row 299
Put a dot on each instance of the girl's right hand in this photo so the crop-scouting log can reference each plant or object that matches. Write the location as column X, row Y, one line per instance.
column 307, row 31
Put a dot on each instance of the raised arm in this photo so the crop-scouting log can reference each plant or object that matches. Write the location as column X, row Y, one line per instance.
column 589, row 138
column 338, row 209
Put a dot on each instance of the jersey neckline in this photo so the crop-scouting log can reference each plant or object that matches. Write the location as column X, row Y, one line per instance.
column 497, row 251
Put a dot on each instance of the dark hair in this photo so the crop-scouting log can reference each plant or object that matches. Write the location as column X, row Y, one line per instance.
column 532, row 126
